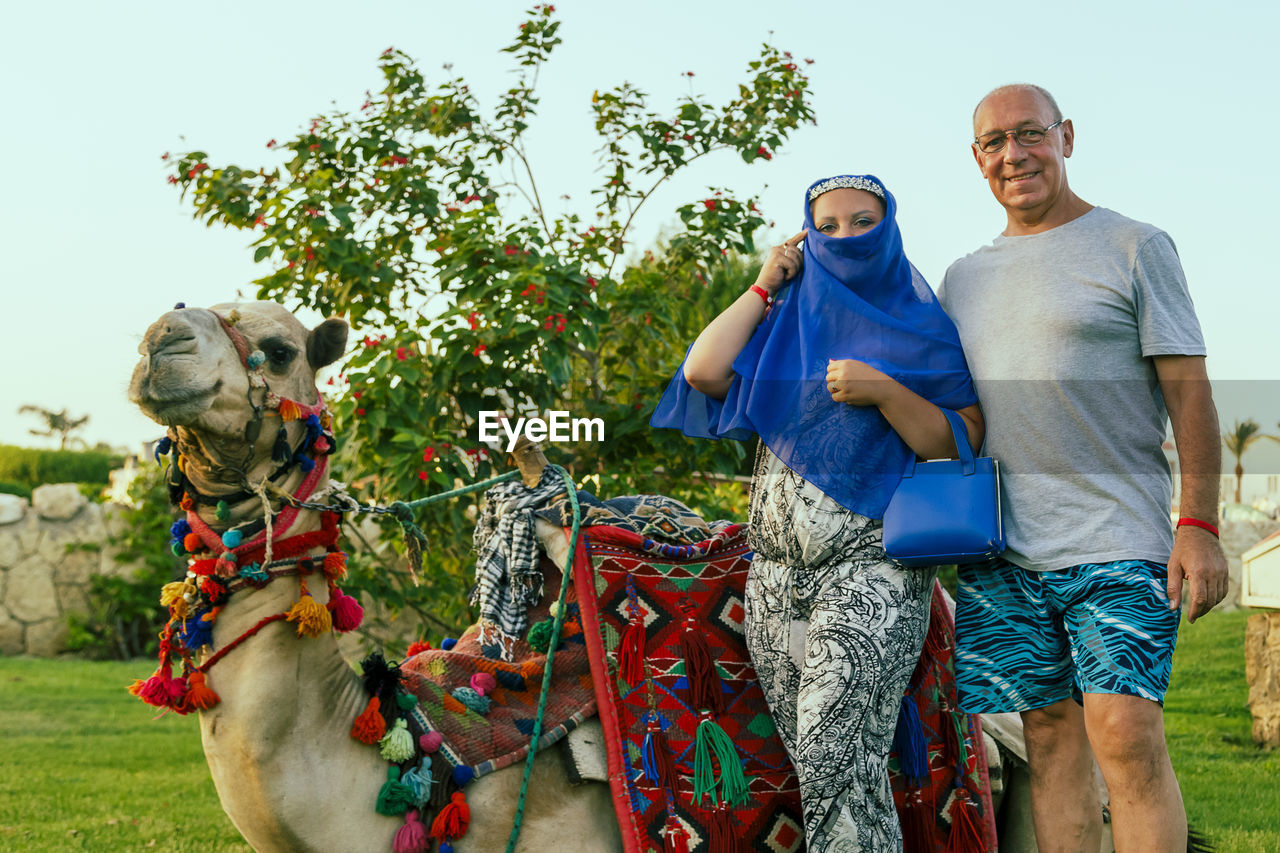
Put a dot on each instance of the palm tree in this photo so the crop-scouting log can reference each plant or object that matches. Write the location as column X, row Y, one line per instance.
column 60, row 423
column 1237, row 441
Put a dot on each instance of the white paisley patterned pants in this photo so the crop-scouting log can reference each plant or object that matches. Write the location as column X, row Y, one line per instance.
column 834, row 629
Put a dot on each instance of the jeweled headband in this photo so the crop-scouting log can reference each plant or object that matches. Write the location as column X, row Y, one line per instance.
column 855, row 182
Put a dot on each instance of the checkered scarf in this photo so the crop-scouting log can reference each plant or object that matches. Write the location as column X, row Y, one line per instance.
column 508, row 580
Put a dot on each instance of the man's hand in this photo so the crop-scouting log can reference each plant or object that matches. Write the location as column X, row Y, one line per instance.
column 1197, row 557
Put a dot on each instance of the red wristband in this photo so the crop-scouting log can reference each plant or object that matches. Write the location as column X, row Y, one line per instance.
column 1195, row 522
column 762, row 293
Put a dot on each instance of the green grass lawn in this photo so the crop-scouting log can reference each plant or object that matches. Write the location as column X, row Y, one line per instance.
column 1231, row 788
column 85, row 766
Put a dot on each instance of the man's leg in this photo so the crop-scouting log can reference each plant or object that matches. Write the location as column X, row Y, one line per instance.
column 1064, row 800
column 1127, row 734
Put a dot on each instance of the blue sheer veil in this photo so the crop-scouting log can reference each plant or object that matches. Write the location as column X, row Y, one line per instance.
column 857, row 297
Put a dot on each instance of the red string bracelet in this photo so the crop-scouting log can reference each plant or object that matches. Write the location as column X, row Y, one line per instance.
column 761, row 292
column 1195, row 522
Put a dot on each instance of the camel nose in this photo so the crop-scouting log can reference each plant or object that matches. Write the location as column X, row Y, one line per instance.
column 170, row 335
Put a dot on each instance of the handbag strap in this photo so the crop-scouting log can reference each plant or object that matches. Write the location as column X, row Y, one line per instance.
column 961, row 435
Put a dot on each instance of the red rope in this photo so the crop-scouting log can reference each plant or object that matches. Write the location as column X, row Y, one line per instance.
column 217, row 656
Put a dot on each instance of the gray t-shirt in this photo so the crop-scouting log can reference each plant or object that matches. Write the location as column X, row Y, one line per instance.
column 1059, row 329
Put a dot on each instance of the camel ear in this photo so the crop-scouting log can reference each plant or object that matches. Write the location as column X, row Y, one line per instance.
column 327, row 342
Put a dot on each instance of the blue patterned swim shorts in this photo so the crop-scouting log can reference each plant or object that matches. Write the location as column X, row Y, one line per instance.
column 1027, row 639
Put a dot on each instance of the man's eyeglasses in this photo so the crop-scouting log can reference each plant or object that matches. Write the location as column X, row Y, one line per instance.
column 994, row 142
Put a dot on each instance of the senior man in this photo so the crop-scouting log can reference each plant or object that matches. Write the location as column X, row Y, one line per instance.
column 1082, row 339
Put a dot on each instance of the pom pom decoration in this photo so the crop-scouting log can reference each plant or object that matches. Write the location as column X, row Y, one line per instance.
column 462, row 774
column 448, row 643
column 483, row 683
column 473, row 700
column 417, row 647
column 369, row 727
column 397, row 744
column 430, row 742
column 232, row 539
column 305, row 462
column 346, row 611
column 222, row 512
column 395, row 798
column 196, row 632
column 192, row 543
column 312, row 617
column 163, row 446
column 412, row 837
column 539, row 636
column 255, row 359
column 255, row 573
column 406, row 701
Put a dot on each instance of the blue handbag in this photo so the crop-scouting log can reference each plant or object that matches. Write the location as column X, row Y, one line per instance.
column 946, row 511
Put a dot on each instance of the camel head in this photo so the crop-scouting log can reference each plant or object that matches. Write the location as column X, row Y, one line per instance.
column 223, row 379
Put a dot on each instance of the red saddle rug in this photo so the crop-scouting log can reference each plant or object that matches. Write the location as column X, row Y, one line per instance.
column 671, row 773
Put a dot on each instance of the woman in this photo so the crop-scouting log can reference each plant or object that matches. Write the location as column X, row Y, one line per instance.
column 838, row 358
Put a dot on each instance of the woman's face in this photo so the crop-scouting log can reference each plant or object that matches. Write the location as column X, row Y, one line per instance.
column 847, row 212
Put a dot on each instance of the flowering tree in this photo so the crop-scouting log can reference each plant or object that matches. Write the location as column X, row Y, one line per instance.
column 400, row 216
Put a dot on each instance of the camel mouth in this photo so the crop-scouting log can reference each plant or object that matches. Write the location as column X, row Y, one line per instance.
column 180, row 408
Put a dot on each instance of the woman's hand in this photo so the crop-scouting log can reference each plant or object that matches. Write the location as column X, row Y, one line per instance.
column 857, row 383
column 783, row 263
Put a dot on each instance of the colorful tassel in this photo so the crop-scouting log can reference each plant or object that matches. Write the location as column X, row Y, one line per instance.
column 397, row 744
column 412, row 837
column 395, row 798
column 225, row 565
column 656, row 758
column 674, row 838
column 335, row 565
column 720, row 838
column 312, row 617
column 909, row 744
column 631, row 653
column 419, row 779
column 200, row 696
column 161, row 690
column 452, row 821
column 734, row 784
column 704, row 688
column 196, row 632
column 919, row 823
column 346, row 611
column 965, row 836
column 369, row 727
column 289, row 410
column 280, row 450
column 255, row 574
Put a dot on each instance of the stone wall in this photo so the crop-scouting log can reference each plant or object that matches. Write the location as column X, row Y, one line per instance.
column 45, row 566
column 1262, row 671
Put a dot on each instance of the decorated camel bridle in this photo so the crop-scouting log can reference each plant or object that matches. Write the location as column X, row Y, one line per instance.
column 250, row 554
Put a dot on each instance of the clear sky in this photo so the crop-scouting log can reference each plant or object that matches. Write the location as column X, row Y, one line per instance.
column 1173, row 103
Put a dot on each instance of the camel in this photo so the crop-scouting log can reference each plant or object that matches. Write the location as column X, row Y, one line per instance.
column 286, row 769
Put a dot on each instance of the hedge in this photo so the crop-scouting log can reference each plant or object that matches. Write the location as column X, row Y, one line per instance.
column 30, row 467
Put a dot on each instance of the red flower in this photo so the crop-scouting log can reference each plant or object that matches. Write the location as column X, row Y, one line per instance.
column 764, row 152
column 509, row 249
column 591, row 281
column 197, row 169
column 479, row 349
column 291, row 264
column 173, row 179
column 709, row 204
column 271, row 143
column 401, row 353
column 422, row 475
column 428, row 454
column 313, row 146
column 808, row 61
column 360, row 412
column 473, row 320
column 357, row 394
column 387, row 52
